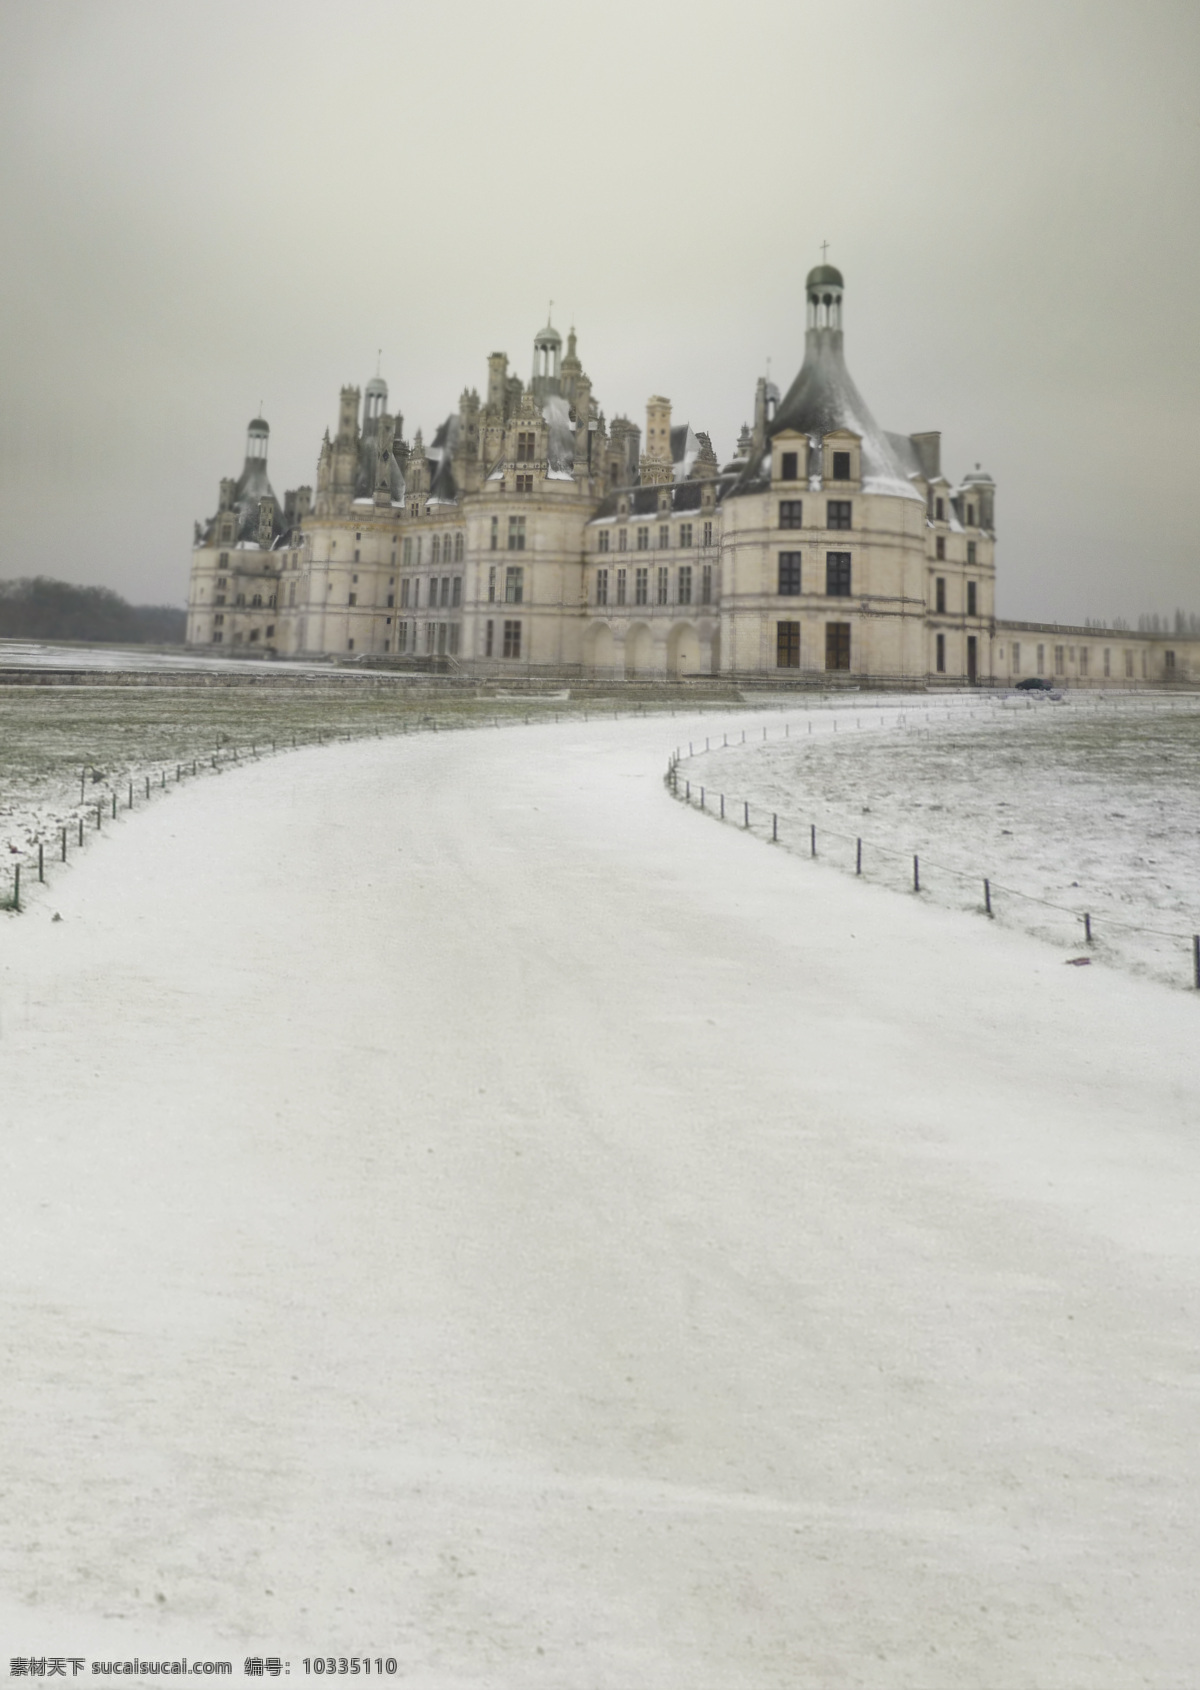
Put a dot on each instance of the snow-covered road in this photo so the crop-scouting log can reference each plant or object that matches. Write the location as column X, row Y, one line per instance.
column 457, row 1204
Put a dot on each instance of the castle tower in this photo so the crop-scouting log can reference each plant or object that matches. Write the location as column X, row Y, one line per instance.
column 374, row 403
column 656, row 465
column 257, row 436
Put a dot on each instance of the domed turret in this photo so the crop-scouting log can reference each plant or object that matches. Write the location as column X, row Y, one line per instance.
column 374, row 399
column 257, row 436
column 547, row 360
column 824, row 289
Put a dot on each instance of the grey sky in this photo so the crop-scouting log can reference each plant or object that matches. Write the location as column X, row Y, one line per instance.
column 208, row 205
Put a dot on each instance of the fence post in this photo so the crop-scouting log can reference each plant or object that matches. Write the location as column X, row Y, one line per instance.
column 916, row 874
column 1196, row 959
column 858, row 857
column 814, row 838
column 41, row 866
column 16, row 901
column 1087, row 928
column 81, row 830
column 114, row 799
column 687, row 791
column 148, row 779
column 99, row 809
column 64, row 845
column 774, row 828
column 987, row 896
column 746, row 822
column 701, row 797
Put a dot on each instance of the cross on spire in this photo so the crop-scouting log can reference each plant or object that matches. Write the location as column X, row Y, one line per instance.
column 824, row 251
column 550, row 313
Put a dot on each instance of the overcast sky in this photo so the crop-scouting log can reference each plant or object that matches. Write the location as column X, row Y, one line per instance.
column 208, row 205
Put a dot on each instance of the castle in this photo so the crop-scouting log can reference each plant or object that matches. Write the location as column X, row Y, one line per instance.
column 530, row 536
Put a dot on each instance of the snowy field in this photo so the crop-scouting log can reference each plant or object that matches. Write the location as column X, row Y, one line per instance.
column 457, row 1205
column 1091, row 805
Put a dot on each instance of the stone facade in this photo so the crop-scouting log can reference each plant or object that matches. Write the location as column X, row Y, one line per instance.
column 530, row 536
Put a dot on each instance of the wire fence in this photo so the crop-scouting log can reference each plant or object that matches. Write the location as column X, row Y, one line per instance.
column 1171, row 954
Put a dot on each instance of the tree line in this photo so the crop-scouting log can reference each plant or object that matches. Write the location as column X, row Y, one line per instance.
column 38, row 608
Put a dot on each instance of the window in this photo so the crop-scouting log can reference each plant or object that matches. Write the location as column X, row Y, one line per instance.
column 489, row 638
column 416, row 593
column 441, row 639
column 1041, row 660
column 1168, row 664
column 602, row 586
column 708, row 534
column 685, row 583
column 349, row 643
column 524, row 483
column 406, row 553
column 941, row 654
column 940, row 508
column 789, row 574
column 385, row 646
column 837, row 645
column 218, row 637
column 837, row 513
column 787, row 470
column 664, row 536
column 685, row 533
column 1107, row 661
column 1128, row 665
column 430, row 636
column 971, row 551
column 221, row 581
column 445, row 591
column 641, row 587
column 621, row 574
column 456, row 593
column 602, row 540
column 622, row 539
column 706, row 584
column 1016, row 657
column 939, row 599
column 787, row 645
column 458, row 548
column 837, row 574
column 435, row 549
column 1059, row 660
column 291, row 595
column 514, row 585
column 218, row 620
column 841, row 466
column 790, row 512
column 512, row 639
column 663, row 585
column 454, row 633
column 219, row 598
column 391, row 600
column 356, row 554
column 402, row 636
column 223, row 561
column 643, row 539
column 1083, row 660
column 526, row 446
column 939, row 548
column 516, row 533
column 970, row 516
column 241, row 598
column 492, row 584
column 495, row 536
column 353, row 598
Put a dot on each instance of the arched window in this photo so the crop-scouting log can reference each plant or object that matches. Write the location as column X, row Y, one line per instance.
column 458, row 548
column 435, row 552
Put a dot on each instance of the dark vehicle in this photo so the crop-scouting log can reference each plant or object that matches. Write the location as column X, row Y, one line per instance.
column 1033, row 683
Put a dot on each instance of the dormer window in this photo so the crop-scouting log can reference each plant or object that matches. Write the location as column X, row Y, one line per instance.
column 940, row 509
column 787, row 466
column 526, row 446
column 970, row 516
column 841, row 466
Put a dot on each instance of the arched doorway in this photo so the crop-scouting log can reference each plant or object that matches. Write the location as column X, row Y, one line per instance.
column 599, row 651
column 639, row 650
column 683, row 650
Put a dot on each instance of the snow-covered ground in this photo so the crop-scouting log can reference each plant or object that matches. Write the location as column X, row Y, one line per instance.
column 1088, row 805
column 456, row 1205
